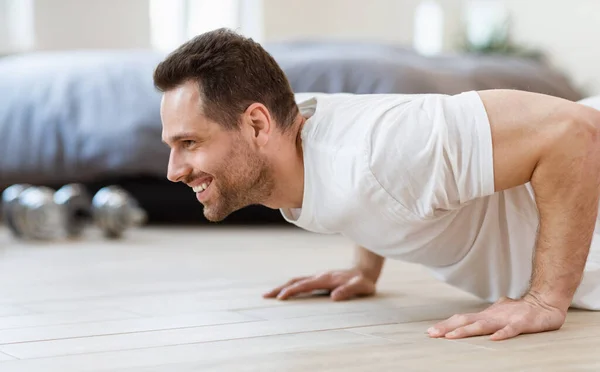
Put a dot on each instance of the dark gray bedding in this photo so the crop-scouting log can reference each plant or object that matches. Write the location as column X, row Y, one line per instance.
column 79, row 116
column 375, row 68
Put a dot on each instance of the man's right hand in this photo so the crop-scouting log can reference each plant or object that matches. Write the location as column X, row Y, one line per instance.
column 342, row 285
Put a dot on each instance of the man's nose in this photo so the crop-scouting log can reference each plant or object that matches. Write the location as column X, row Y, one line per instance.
column 178, row 170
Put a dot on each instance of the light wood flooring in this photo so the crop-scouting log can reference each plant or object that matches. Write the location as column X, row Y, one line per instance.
column 190, row 299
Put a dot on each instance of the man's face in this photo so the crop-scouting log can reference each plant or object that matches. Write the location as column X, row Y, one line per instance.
column 224, row 167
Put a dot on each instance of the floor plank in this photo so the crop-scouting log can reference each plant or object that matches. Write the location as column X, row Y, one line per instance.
column 208, row 333
column 115, row 327
column 377, row 356
column 197, row 353
column 5, row 357
column 72, row 317
column 10, row 310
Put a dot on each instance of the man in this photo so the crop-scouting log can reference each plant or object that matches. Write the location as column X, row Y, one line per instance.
column 496, row 192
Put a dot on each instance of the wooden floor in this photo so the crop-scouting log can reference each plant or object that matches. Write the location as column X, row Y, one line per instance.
column 178, row 300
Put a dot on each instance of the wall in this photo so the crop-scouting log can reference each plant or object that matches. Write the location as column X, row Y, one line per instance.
column 16, row 25
column 568, row 30
column 5, row 42
column 74, row 24
column 388, row 21
column 384, row 20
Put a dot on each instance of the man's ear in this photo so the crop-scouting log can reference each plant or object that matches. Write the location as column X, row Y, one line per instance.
column 259, row 121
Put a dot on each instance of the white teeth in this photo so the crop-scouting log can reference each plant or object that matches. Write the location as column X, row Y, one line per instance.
column 202, row 187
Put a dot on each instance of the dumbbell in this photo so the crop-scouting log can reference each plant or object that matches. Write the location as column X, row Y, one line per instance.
column 114, row 210
column 30, row 212
column 40, row 213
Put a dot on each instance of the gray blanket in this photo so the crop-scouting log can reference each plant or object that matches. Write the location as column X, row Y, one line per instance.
column 379, row 68
column 77, row 116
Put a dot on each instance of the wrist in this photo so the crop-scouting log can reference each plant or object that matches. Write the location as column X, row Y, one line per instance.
column 368, row 263
column 367, row 272
column 549, row 298
column 553, row 289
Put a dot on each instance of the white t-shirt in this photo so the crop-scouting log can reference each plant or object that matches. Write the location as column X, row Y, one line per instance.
column 411, row 177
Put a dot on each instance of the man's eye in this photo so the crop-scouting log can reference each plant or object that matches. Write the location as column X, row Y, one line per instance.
column 188, row 143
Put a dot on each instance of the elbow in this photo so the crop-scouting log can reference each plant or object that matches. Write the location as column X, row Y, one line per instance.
column 570, row 151
column 590, row 117
column 582, row 131
column 591, row 122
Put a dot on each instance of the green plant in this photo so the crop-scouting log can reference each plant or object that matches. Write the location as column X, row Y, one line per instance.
column 499, row 42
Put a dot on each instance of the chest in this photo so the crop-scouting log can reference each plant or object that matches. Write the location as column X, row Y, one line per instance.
column 372, row 219
column 363, row 212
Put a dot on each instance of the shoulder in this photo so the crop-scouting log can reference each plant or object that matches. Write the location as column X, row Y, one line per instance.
column 424, row 125
column 433, row 153
column 344, row 119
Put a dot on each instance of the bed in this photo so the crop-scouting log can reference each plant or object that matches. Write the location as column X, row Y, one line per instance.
column 92, row 116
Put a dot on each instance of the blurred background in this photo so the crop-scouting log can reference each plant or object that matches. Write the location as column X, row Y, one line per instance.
column 78, row 105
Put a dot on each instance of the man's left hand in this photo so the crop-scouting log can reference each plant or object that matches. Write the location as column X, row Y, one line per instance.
column 505, row 319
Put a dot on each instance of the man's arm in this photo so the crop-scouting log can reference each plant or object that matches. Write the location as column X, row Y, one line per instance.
column 369, row 263
column 555, row 145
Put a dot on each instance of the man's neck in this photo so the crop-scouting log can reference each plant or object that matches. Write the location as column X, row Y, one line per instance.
column 289, row 172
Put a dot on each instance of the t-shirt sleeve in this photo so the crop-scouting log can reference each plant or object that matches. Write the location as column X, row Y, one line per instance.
column 434, row 153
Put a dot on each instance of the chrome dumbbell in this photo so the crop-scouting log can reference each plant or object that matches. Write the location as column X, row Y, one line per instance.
column 9, row 197
column 40, row 213
column 31, row 213
column 74, row 203
column 114, row 210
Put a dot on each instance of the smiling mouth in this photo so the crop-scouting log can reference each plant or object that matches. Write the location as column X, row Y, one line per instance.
column 203, row 186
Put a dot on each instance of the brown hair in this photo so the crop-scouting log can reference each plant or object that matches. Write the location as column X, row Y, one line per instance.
column 232, row 72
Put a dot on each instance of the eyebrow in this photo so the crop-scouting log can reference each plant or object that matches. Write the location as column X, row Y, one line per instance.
column 180, row 136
